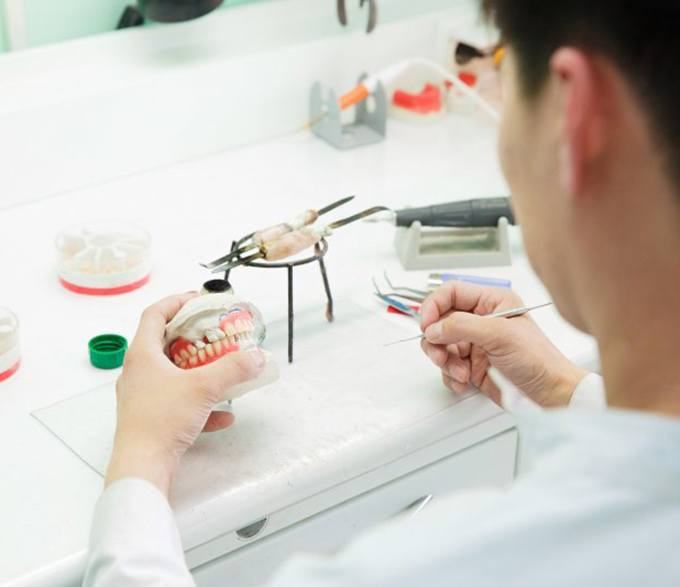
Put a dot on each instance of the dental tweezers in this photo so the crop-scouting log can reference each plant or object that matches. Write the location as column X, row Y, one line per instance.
column 293, row 242
column 256, row 239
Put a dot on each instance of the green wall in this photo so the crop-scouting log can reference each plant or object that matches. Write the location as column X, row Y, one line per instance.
column 51, row 21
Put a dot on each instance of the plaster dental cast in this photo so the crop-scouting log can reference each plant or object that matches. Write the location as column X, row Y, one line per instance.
column 590, row 147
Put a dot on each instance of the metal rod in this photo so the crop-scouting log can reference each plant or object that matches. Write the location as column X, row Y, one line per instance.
column 234, row 246
column 326, row 285
column 512, row 313
column 290, row 314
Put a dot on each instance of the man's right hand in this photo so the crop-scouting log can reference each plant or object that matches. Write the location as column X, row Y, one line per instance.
column 464, row 343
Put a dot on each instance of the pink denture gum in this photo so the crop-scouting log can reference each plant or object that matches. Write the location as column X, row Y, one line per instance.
column 211, row 326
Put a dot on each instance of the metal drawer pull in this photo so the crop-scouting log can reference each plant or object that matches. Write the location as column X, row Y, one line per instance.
column 251, row 530
column 417, row 506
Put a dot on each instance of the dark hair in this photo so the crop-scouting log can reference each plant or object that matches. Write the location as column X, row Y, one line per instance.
column 639, row 36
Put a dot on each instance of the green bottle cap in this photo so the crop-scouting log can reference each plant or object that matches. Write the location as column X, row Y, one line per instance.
column 107, row 351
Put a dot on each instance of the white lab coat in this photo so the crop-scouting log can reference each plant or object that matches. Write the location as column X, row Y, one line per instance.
column 598, row 503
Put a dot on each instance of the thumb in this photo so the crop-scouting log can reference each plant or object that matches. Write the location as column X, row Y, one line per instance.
column 466, row 327
column 232, row 369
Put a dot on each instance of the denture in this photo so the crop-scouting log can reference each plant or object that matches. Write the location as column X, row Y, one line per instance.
column 233, row 333
column 211, row 326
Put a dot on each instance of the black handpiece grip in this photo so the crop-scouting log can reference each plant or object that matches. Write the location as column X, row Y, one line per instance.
column 480, row 212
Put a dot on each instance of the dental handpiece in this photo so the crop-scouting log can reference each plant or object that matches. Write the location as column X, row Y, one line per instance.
column 476, row 213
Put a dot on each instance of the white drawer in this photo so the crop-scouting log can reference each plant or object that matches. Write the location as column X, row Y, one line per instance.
column 490, row 463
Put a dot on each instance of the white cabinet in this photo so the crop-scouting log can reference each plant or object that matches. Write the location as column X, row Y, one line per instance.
column 489, row 463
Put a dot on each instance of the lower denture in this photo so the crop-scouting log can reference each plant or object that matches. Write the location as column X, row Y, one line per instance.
column 186, row 356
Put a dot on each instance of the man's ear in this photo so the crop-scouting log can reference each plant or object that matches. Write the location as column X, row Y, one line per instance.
column 582, row 127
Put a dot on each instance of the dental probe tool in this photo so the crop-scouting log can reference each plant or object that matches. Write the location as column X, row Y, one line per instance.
column 514, row 312
column 476, row 213
column 294, row 242
column 258, row 238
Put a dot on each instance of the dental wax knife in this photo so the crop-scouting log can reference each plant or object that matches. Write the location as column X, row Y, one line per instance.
column 257, row 239
column 477, row 213
column 512, row 313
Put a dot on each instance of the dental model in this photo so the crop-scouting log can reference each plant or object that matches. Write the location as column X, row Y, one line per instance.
column 211, row 326
column 9, row 344
column 103, row 258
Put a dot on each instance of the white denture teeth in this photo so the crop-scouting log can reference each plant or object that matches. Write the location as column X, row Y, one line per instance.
column 214, row 334
column 210, row 326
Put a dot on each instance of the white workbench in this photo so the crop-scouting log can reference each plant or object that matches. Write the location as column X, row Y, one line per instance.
column 47, row 493
column 408, row 441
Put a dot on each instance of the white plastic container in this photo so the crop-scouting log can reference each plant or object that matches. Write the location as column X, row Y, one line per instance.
column 9, row 344
column 103, row 257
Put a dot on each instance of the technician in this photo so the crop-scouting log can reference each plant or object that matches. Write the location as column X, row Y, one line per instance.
column 590, row 145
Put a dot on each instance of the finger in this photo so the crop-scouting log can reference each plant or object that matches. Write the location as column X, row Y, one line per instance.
column 462, row 349
column 480, row 363
column 490, row 390
column 458, row 369
column 151, row 329
column 453, row 385
column 465, row 327
column 453, row 295
column 218, row 377
column 437, row 354
column 218, row 420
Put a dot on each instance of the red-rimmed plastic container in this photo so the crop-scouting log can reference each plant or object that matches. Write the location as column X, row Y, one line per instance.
column 103, row 257
column 9, row 344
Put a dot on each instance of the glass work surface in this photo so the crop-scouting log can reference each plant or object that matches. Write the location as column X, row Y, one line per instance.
column 344, row 395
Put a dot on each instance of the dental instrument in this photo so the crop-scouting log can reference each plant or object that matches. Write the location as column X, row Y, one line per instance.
column 512, row 313
column 419, row 294
column 294, row 242
column 475, row 213
column 437, row 279
column 392, row 294
column 397, row 305
column 257, row 239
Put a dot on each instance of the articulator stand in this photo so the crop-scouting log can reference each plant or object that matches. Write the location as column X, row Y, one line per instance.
column 448, row 248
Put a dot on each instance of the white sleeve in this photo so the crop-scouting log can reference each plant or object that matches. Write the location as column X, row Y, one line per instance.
column 134, row 540
column 589, row 393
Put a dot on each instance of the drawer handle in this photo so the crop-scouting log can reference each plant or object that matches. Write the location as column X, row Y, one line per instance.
column 417, row 506
column 251, row 530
